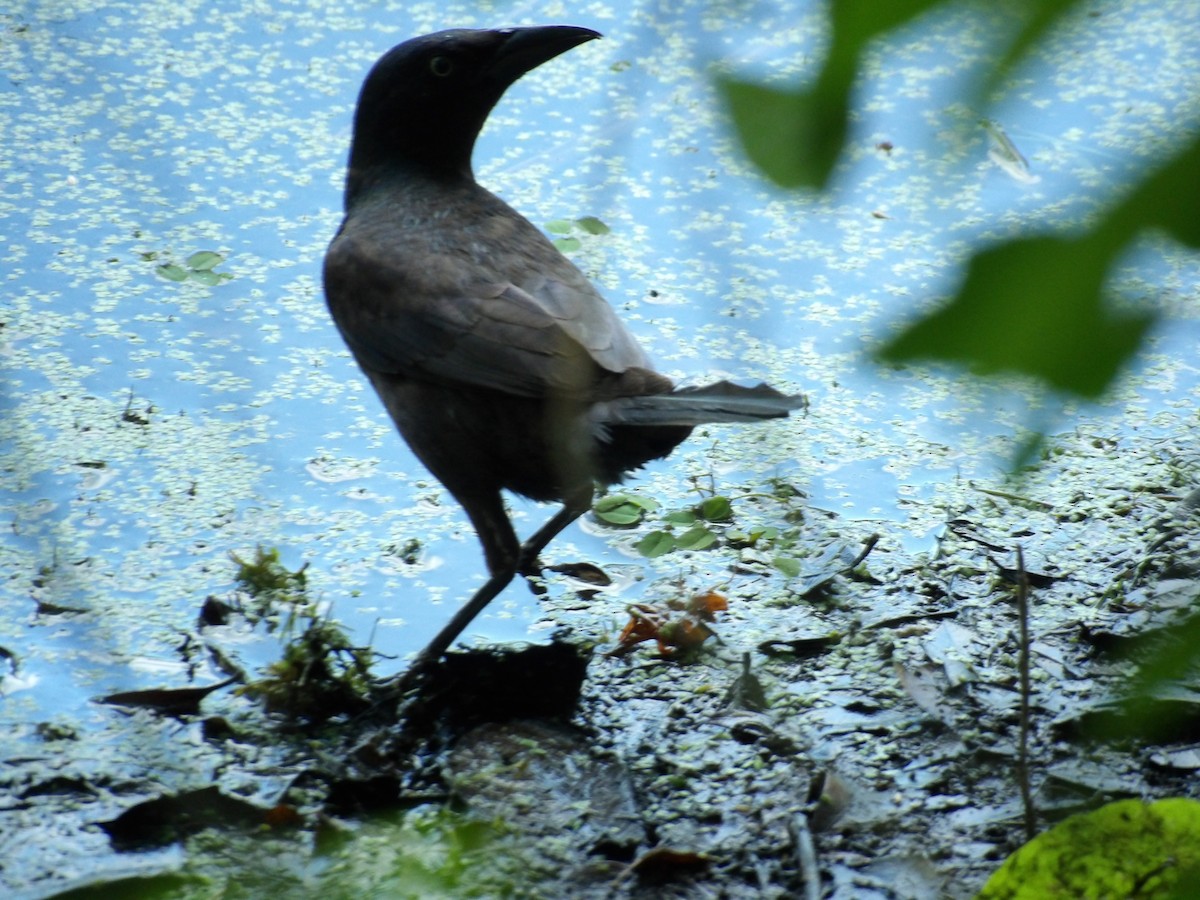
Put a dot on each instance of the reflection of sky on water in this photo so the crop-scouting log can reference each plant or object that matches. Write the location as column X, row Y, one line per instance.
column 139, row 134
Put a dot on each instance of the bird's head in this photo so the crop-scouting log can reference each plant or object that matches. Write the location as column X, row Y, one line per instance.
column 424, row 102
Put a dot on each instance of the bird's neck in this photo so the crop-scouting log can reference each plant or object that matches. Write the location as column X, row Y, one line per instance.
column 425, row 144
column 365, row 179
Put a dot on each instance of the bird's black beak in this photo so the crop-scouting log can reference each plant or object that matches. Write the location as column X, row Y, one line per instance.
column 524, row 49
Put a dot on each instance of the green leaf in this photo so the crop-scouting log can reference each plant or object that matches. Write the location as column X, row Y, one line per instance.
column 656, row 543
column 592, row 225
column 715, row 509
column 567, row 244
column 1036, row 305
column 203, row 260
column 1167, row 199
column 788, row 565
column 680, row 517
column 696, row 538
column 172, row 272
column 622, row 509
column 560, row 226
column 1125, row 849
column 1146, row 712
column 1041, row 16
column 1032, row 306
column 793, row 137
column 753, row 536
column 857, row 22
column 206, row 277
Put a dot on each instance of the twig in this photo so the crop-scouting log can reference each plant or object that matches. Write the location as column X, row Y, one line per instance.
column 1015, row 498
column 1023, row 670
column 867, row 547
column 806, row 854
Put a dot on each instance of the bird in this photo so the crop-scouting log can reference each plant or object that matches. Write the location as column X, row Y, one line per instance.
column 500, row 364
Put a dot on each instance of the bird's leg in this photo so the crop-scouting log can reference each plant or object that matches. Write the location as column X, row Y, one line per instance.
column 574, row 505
column 502, row 552
column 428, row 658
column 504, row 558
column 441, row 643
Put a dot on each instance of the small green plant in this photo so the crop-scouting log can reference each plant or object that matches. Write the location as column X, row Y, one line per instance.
column 198, row 267
column 321, row 673
column 696, row 523
column 408, row 552
column 706, row 524
column 269, row 583
column 623, row 510
column 568, row 229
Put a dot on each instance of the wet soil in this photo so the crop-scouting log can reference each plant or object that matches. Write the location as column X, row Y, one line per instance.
column 849, row 730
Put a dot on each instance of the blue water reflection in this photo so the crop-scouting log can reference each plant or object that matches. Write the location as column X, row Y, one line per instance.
column 152, row 427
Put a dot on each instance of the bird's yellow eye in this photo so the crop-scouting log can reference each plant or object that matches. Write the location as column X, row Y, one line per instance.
column 441, row 66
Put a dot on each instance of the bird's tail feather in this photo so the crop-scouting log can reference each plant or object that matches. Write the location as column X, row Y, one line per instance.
column 719, row 402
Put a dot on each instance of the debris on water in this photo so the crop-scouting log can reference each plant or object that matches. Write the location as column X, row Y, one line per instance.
column 169, row 701
column 497, row 684
column 1004, row 153
column 674, row 625
column 167, row 818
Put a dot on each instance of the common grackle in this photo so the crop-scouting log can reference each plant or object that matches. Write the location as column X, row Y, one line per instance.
column 501, row 365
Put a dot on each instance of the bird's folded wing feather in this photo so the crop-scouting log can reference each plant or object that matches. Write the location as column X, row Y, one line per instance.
column 545, row 337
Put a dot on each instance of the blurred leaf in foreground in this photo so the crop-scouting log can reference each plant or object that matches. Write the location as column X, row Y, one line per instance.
column 1124, row 849
column 795, row 136
column 1036, row 306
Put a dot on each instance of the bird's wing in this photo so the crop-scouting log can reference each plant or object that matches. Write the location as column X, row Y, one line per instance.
column 546, row 335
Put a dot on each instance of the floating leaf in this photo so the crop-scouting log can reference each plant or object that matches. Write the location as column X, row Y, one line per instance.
column 204, row 276
column 567, row 244
column 673, row 627
column 788, row 565
column 622, row 509
column 707, row 604
column 680, row 517
column 171, row 701
column 743, row 538
column 592, row 225
column 172, row 272
column 696, row 538
column 656, row 543
column 716, row 509
column 1004, row 153
column 203, row 261
column 583, row 571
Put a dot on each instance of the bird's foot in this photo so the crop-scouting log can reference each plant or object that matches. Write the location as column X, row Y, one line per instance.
column 529, row 565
